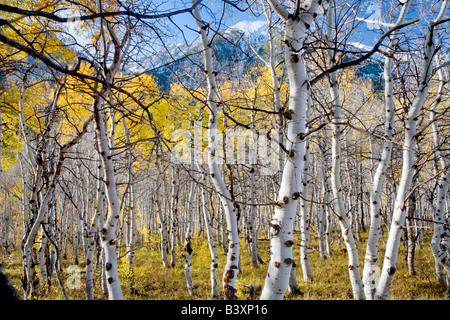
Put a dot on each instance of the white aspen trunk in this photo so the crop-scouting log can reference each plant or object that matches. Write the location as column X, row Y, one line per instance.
column 23, row 126
column 441, row 258
column 187, row 243
column 162, row 223
column 163, row 234
column 211, row 243
column 131, row 239
column 231, row 267
column 325, row 218
column 322, row 216
column 92, row 232
column 108, row 232
column 252, row 231
column 32, row 280
column 174, row 218
column 281, row 258
column 305, row 260
column 205, row 207
column 190, row 224
column 326, row 198
column 30, row 209
column 339, row 207
column 28, row 260
column 409, row 148
column 273, row 72
column 42, row 257
column 371, row 257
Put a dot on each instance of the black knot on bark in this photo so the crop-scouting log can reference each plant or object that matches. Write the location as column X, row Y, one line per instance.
column 288, row 261
column 391, row 270
column 289, row 243
column 276, row 228
column 108, row 266
column 228, row 276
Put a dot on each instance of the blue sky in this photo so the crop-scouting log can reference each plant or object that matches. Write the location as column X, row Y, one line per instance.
column 232, row 17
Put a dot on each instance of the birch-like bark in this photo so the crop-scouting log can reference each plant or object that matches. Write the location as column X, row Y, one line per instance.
column 409, row 148
column 210, row 236
column 93, row 232
column 42, row 257
column 205, row 207
column 231, row 267
column 190, row 224
column 131, row 239
column 281, row 258
column 336, row 185
column 305, row 260
column 108, row 231
column 174, row 217
column 271, row 63
column 252, row 231
column 371, row 257
column 322, row 220
column 326, row 194
column 30, row 273
column 439, row 254
column 30, row 202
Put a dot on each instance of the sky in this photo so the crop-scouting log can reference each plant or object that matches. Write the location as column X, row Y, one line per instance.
column 233, row 16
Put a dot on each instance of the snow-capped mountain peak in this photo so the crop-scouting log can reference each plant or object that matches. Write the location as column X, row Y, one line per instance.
column 251, row 27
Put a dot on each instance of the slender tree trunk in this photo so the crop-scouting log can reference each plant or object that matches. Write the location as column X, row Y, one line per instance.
column 409, row 147
column 371, row 257
column 439, row 233
column 93, row 232
column 305, row 260
column 108, row 231
column 210, row 236
column 231, row 267
column 188, row 235
column 339, row 207
column 174, row 217
column 281, row 259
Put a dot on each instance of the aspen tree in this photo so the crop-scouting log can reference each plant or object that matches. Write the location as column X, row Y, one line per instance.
column 99, row 211
column 371, row 257
column 439, row 254
column 164, row 238
column 205, row 207
column 409, row 148
column 108, row 231
column 281, row 259
column 174, row 226
column 253, row 235
column 305, row 260
column 46, row 199
column 336, row 185
column 231, row 267
column 132, row 220
column 190, row 224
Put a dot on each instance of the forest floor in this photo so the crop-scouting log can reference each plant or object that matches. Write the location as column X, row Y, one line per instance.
column 331, row 278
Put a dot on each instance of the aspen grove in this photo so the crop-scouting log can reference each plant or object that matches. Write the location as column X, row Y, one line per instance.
column 225, row 150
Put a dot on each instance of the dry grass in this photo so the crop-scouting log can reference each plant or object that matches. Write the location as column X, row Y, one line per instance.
column 331, row 279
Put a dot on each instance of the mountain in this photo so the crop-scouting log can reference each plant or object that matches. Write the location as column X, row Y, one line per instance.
column 234, row 49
